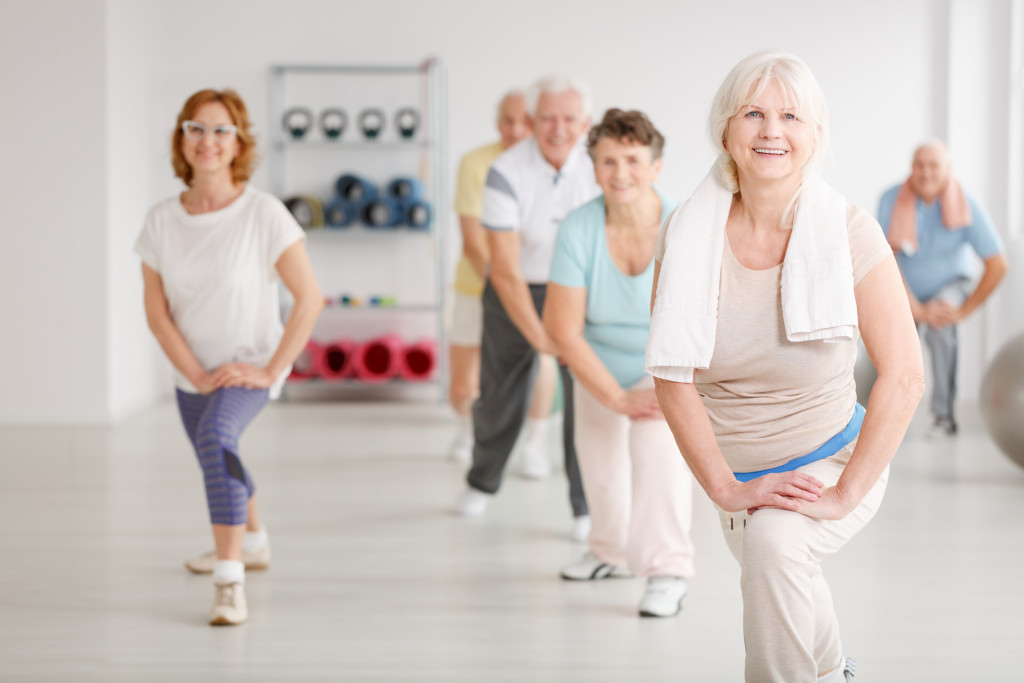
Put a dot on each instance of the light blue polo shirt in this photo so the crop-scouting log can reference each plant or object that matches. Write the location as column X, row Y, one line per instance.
column 618, row 305
column 942, row 255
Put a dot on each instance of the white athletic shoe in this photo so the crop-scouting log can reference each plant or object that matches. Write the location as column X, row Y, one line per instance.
column 203, row 564
column 461, row 450
column 472, row 503
column 535, row 463
column 580, row 529
column 849, row 669
column 229, row 605
column 943, row 428
column 589, row 568
column 663, row 597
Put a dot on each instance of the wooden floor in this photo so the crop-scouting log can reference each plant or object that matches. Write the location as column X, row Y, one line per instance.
column 374, row 580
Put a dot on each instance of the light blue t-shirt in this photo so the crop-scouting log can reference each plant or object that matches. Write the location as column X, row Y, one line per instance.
column 618, row 305
column 942, row 255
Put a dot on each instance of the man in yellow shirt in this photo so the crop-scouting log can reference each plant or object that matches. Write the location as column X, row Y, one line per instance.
column 467, row 313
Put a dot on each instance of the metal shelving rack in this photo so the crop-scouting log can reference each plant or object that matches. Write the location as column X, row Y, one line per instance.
column 430, row 147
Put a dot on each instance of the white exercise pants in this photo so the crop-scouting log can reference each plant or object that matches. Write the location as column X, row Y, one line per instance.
column 638, row 487
column 790, row 629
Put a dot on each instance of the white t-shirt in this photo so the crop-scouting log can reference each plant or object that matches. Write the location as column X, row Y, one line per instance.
column 524, row 192
column 219, row 277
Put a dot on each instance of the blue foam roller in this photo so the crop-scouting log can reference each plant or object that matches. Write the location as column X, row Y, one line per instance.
column 354, row 189
column 417, row 215
column 405, row 189
column 339, row 213
column 383, row 212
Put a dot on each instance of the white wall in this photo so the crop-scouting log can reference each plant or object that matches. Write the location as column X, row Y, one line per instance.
column 883, row 67
column 53, row 215
column 136, row 371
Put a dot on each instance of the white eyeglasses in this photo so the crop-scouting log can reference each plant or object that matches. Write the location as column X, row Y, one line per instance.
column 196, row 131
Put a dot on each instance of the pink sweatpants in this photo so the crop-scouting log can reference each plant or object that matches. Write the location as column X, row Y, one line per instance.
column 790, row 629
column 638, row 487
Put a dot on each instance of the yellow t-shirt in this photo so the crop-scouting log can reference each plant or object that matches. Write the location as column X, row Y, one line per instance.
column 469, row 201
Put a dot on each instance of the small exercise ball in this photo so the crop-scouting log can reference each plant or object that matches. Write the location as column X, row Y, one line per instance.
column 1002, row 399
column 864, row 374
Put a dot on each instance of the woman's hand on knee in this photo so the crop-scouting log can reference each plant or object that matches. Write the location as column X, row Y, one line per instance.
column 831, row 505
column 781, row 490
column 242, row 375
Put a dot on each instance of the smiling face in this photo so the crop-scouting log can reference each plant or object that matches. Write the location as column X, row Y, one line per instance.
column 513, row 121
column 768, row 139
column 930, row 172
column 211, row 156
column 558, row 123
column 625, row 170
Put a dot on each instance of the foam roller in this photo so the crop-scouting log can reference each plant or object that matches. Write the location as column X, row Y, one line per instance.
column 405, row 189
column 307, row 210
column 339, row 213
column 417, row 215
column 378, row 360
column 418, row 361
column 354, row 189
column 335, row 360
column 383, row 212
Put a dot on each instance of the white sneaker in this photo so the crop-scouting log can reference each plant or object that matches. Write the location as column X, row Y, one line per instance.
column 580, row 529
column 589, row 568
column 229, row 605
column 535, row 463
column 849, row 669
column 663, row 597
column 203, row 564
column 472, row 503
column 461, row 450
column 943, row 428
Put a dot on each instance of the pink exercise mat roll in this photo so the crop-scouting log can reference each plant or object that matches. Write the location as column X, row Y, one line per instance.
column 304, row 366
column 418, row 361
column 335, row 359
column 378, row 360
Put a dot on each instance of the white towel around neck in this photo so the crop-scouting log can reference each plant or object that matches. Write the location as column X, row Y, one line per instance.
column 817, row 277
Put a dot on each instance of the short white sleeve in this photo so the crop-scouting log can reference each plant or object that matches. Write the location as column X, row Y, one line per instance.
column 501, row 206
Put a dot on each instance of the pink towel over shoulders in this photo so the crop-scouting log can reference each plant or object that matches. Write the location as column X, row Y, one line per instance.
column 956, row 214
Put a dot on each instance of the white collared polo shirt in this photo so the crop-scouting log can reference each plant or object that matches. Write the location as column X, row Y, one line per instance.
column 526, row 193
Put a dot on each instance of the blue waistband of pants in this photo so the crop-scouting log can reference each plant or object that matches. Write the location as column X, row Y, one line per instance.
column 825, row 450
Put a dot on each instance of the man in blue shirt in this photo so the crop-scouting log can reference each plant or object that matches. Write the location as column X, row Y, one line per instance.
column 934, row 254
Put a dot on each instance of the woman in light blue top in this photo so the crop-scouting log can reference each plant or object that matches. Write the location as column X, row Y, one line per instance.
column 598, row 314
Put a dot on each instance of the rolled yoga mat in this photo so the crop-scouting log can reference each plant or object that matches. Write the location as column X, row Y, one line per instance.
column 307, row 210
column 378, row 360
column 304, row 366
column 354, row 189
column 383, row 212
column 418, row 361
column 417, row 215
column 405, row 189
column 335, row 359
column 340, row 213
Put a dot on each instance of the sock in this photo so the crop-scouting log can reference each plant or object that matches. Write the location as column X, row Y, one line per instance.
column 254, row 540
column 536, row 436
column 228, row 571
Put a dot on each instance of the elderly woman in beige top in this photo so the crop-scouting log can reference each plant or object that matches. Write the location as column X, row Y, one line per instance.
column 753, row 350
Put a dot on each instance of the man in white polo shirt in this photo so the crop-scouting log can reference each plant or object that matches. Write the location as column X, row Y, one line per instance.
column 530, row 188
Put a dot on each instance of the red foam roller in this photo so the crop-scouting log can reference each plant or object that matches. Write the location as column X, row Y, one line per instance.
column 335, row 359
column 419, row 360
column 378, row 360
column 304, row 366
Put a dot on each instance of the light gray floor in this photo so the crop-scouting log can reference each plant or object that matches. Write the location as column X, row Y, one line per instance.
column 373, row 579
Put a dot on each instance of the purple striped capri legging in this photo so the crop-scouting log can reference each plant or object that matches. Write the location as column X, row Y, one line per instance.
column 213, row 423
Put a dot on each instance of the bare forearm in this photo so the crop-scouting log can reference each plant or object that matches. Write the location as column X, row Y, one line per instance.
column 588, row 369
column 995, row 269
column 474, row 244
column 695, row 437
column 891, row 405
column 176, row 348
column 297, row 330
column 514, row 293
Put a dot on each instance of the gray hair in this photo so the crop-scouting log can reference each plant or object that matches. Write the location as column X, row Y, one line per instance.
column 746, row 82
column 556, row 85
